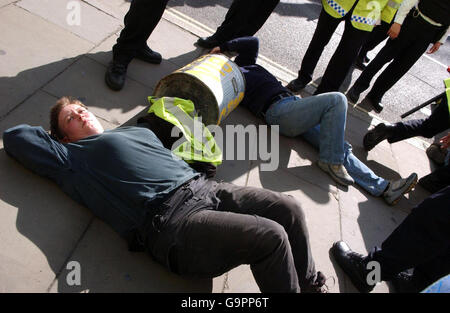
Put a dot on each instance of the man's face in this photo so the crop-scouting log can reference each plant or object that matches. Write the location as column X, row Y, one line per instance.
column 76, row 123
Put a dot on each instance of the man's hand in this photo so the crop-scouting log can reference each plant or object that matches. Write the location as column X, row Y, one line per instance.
column 215, row 50
column 445, row 141
column 434, row 48
column 394, row 30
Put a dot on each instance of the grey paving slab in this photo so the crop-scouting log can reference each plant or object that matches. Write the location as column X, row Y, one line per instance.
column 6, row 2
column 39, row 224
column 234, row 168
column 299, row 158
column 412, row 160
column 430, row 72
column 182, row 51
column 75, row 16
column 33, row 51
column 145, row 73
column 116, row 8
column 107, row 266
column 365, row 222
column 84, row 80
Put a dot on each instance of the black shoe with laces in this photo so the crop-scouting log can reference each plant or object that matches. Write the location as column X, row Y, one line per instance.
column 353, row 264
column 296, row 85
column 353, row 95
column 208, row 42
column 371, row 104
column 359, row 64
column 375, row 136
column 115, row 75
column 148, row 55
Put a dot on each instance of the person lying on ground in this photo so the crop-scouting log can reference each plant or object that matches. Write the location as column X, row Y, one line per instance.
column 319, row 119
column 191, row 225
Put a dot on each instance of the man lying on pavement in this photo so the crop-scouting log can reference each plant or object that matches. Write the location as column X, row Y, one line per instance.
column 192, row 225
column 319, row 119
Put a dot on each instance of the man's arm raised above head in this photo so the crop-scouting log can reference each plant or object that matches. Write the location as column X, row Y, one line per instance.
column 36, row 150
column 246, row 47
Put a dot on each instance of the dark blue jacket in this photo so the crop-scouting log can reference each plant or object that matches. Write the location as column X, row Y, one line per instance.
column 260, row 86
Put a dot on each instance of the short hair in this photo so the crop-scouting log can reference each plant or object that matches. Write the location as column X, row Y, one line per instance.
column 55, row 131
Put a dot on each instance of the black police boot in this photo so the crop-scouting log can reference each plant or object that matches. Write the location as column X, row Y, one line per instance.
column 148, row 55
column 372, row 104
column 208, row 42
column 296, row 85
column 359, row 63
column 353, row 264
column 376, row 135
column 353, row 95
column 115, row 75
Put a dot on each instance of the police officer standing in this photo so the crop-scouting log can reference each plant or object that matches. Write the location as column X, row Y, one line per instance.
column 360, row 17
column 409, row 39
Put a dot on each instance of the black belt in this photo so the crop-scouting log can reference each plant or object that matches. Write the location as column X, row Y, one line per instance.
column 278, row 97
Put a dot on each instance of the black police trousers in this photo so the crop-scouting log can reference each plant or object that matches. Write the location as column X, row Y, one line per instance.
column 415, row 36
column 342, row 59
column 140, row 21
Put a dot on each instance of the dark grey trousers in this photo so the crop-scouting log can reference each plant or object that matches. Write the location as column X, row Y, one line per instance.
column 224, row 226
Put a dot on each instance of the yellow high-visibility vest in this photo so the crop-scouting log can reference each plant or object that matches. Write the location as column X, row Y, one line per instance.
column 447, row 92
column 388, row 13
column 199, row 143
column 366, row 13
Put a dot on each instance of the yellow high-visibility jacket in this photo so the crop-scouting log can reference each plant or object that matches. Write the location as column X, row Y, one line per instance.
column 199, row 143
column 366, row 13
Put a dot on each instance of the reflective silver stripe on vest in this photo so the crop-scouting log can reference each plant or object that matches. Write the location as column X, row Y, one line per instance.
column 393, row 4
column 336, row 6
column 192, row 126
column 363, row 20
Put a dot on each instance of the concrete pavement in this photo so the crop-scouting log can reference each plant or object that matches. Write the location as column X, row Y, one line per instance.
column 43, row 57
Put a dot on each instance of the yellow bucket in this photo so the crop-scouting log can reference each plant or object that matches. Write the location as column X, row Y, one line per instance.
column 213, row 82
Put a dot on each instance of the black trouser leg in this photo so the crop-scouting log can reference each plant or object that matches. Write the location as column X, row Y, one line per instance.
column 342, row 59
column 405, row 50
column 140, row 21
column 422, row 239
column 256, row 19
column 423, row 277
column 378, row 34
column 386, row 54
column 326, row 26
column 397, row 68
column 245, row 18
column 252, row 226
column 437, row 122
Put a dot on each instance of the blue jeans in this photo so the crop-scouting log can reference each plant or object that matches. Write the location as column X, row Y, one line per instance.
column 306, row 116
